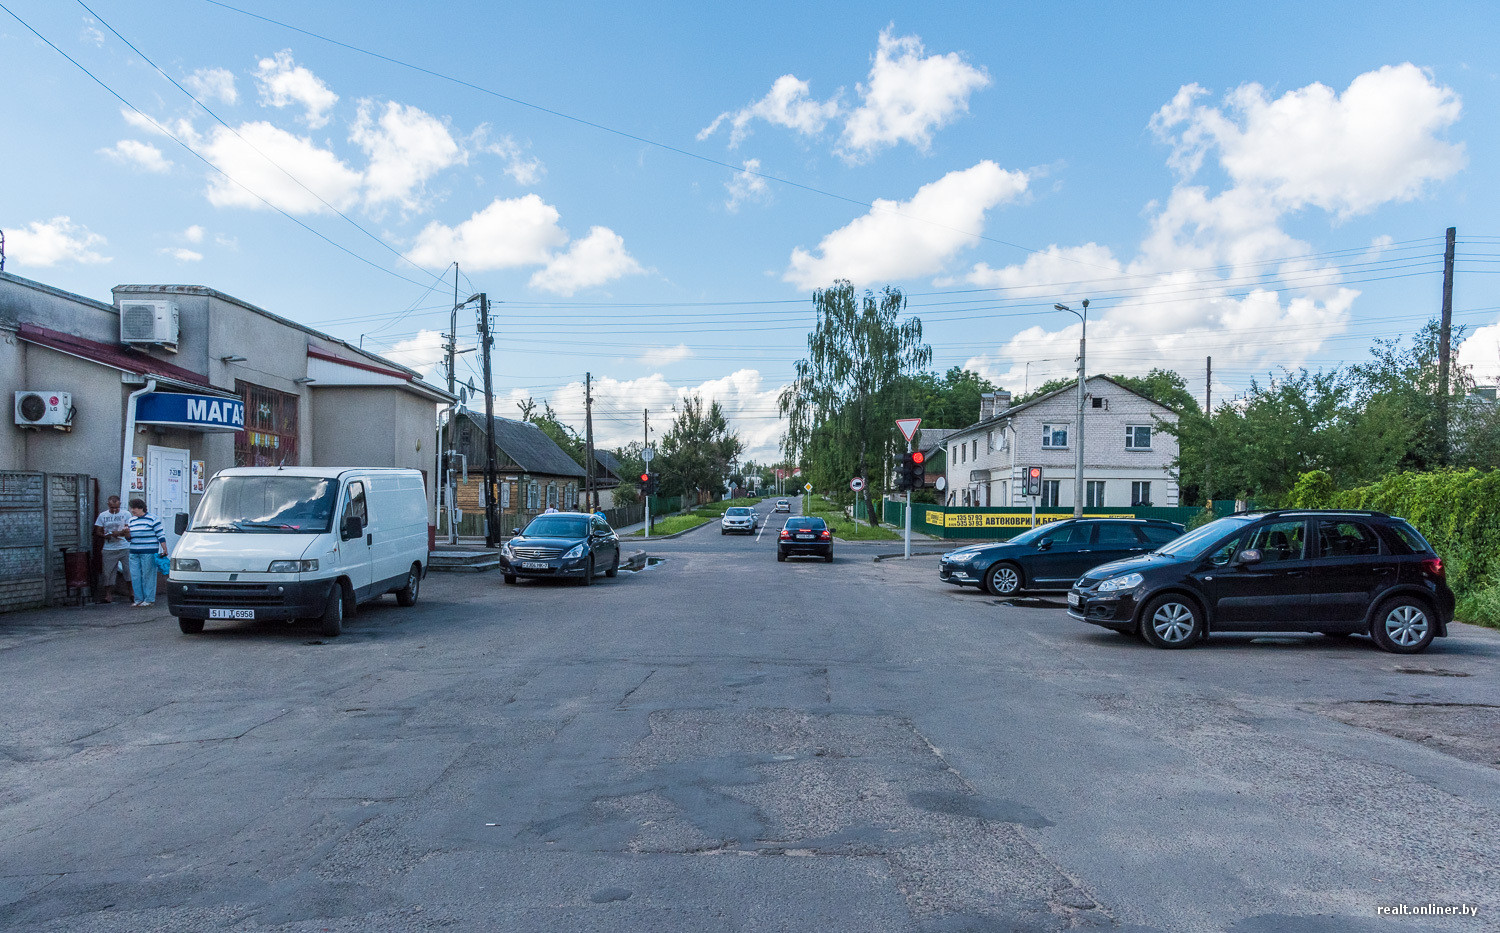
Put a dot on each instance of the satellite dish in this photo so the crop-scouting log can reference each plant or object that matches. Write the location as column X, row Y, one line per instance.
column 463, row 395
column 942, row 483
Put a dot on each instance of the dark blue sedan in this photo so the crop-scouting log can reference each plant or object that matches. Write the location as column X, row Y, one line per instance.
column 1051, row 557
column 572, row 545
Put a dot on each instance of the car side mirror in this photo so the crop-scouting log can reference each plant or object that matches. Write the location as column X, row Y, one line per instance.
column 1247, row 557
column 182, row 522
column 1044, row 545
column 351, row 528
column 514, row 532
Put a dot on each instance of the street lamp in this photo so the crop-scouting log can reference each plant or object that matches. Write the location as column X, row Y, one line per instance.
column 1078, row 455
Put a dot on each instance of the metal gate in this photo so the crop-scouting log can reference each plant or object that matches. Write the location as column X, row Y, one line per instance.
column 40, row 514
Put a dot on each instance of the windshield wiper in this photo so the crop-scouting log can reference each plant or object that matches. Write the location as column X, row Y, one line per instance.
column 279, row 526
column 213, row 528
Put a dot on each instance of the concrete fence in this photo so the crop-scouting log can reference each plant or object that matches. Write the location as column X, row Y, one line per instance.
column 41, row 515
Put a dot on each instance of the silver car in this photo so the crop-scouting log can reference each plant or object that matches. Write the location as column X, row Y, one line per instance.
column 739, row 518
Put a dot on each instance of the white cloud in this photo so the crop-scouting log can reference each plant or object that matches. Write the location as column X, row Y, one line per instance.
column 597, row 258
column 901, row 240
column 665, row 356
column 92, row 33
column 526, row 170
column 193, row 234
column 143, row 156
column 262, row 156
column 508, row 233
column 211, row 84
column 425, row 353
column 1481, row 350
column 283, row 83
column 908, row 95
column 182, row 255
column 55, row 241
column 787, row 104
column 406, row 147
column 1347, row 153
column 746, row 186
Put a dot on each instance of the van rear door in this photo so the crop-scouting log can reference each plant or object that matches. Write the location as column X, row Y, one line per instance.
column 354, row 549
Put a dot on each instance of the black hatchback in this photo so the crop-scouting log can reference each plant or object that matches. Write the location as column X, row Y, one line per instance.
column 1051, row 557
column 1335, row 572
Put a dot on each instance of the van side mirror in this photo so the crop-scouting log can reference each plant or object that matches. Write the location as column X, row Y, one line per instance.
column 182, row 522
column 1247, row 557
column 351, row 528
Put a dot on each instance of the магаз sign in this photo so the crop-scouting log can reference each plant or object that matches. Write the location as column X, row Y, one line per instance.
column 197, row 412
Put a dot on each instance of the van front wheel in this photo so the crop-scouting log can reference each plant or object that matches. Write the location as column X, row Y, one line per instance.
column 331, row 625
column 407, row 595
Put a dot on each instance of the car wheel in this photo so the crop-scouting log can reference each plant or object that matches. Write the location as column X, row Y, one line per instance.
column 1003, row 579
column 780, row 554
column 723, row 532
column 190, row 626
column 511, row 579
column 614, row 569
column 1403, row 625
column 828, row 557
column 588, row 573
column 407, row 595
column 331, row 625
column 1171, row 622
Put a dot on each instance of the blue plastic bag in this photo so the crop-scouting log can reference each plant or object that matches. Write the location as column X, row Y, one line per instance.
column 163, row 565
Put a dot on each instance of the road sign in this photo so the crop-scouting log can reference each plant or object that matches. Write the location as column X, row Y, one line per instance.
column 807, row 486
column 908, row 427
column 857, row 483
column 648, row 454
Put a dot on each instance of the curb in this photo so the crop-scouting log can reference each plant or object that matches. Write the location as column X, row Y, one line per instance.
column 675, row 534
column 880, row 557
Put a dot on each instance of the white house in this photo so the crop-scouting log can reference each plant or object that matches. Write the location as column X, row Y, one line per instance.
column 1127, row 460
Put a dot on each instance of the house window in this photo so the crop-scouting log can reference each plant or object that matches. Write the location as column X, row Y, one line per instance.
column 1050, row 491
column 270, row 434
column 1140, row 493
column 963, row 453
column 1054, row 435
column 976, row 448
column 989, row 441
column 1137, row 437
column 551, row 495
column 533, row 497
column 1095, row 494
column 1100, row 403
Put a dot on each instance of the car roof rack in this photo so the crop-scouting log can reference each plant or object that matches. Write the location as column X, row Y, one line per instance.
column 1270, row 513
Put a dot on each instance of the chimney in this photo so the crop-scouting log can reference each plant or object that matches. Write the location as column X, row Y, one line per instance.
column 992, row 404
column 1002, row 402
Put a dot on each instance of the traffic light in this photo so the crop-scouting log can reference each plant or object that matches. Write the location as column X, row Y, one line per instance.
column 649, row 482
column 1033, row 481
column 918, row 469
column 905, row 473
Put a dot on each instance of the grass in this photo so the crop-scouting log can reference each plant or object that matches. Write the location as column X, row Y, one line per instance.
column 675, row 523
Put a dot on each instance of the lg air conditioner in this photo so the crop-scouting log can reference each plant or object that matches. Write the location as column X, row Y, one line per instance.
column 149, row 322
column 44, row 409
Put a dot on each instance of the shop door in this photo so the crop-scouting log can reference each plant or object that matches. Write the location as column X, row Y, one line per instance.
column 167, row 487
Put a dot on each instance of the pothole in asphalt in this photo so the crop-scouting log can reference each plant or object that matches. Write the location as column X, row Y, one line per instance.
column 1430, row 671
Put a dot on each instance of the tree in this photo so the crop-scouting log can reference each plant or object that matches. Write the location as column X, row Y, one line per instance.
column 949, row 401
column 564, row 436
column 843, row 400
column 696, row 451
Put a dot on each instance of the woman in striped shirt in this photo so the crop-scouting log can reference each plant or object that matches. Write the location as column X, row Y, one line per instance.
column 147, row 539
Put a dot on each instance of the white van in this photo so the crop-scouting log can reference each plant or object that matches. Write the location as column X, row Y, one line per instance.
column 299, row 543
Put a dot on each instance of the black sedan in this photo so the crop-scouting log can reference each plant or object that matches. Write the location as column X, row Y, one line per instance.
column 572, row 545
column 1051, row 557
column 805, row 536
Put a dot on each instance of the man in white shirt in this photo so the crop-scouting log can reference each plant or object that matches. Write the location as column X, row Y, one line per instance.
column 112, row 526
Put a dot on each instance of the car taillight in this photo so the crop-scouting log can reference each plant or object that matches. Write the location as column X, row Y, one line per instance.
column 825, row 534
column 785, row 533
column 1434, row 566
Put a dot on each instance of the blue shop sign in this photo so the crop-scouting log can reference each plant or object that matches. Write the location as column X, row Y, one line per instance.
column 197, row 412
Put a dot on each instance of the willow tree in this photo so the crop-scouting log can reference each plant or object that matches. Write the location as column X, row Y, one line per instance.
column 843, row 402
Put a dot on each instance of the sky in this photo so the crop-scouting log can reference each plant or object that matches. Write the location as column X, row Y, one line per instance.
column 652, row 196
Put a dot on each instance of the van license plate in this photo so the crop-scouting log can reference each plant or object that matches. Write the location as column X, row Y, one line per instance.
column 231, row 613
column 533, row 565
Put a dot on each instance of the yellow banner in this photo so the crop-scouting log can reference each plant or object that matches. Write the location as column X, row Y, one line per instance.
column 1010, row 519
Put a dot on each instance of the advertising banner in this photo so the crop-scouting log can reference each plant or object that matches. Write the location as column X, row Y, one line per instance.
column 1013, row 520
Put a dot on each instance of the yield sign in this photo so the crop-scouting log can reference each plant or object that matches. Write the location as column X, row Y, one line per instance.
column 908, row 427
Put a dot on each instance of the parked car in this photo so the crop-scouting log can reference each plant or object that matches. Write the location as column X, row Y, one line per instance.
column 299, row 543
column 783, row 505
column 739, row 518
column 1335, row 572
column 573, row 545
column 1051, row 557
column 805, row 535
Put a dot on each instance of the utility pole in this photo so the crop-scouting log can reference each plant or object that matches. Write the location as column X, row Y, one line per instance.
column 646, row 445
column 445, row 473
column 1445, row 333
column 590, row 495
column 1082, row 358
column 491, row 487
column 1208, row 411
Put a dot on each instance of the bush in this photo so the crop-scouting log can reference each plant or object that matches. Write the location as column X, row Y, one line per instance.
column 1457, row 511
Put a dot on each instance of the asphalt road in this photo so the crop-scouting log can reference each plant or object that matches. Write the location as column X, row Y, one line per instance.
column 724, row 742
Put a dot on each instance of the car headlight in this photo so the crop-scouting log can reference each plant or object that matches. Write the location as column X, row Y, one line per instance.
column 506, row 551
column 1127, row 582
column 292, row 566
column 576, row 552
column 185, row 563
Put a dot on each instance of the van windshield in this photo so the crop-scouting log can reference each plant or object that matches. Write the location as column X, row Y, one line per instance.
column 268, row 505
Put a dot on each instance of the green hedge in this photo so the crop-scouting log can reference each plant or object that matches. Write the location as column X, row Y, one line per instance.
column 1458, row 512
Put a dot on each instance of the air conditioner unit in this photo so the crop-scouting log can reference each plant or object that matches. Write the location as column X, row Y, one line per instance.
column 149, row 321
column 44, row 409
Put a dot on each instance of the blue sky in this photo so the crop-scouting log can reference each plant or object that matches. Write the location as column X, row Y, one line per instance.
column 1264, row 183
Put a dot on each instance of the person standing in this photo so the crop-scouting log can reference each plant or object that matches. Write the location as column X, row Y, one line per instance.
column 115, row 554
column 147, row 539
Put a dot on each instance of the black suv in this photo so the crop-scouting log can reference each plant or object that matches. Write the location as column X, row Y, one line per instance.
column 1335, row 572
column 1052, row 556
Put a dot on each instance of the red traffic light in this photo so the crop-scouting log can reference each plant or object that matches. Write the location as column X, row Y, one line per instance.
column 918, row 457
column 645, row 477
column 1036, row 472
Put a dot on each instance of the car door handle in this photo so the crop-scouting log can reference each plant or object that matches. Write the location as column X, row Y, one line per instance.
column 369, row 539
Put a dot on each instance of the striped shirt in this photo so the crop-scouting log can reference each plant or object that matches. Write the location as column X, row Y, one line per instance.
column 146, row 534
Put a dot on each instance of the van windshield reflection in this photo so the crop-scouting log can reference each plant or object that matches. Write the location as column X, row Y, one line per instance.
column 268, row 505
